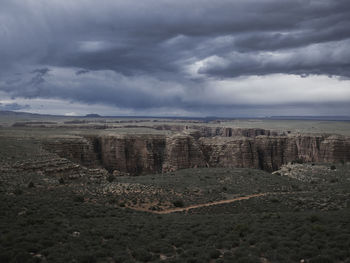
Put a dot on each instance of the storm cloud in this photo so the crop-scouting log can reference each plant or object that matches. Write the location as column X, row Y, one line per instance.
column 191, row 57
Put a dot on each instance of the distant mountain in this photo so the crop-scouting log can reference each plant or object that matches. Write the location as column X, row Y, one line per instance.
column 320, row 118
column 205, row 119
column 17, row 113
column 93, row 115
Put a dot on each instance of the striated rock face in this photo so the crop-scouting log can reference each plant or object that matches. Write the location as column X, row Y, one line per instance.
column 134, row 154
column 269, row 153
column 231, row 132
column 205, row 131
column 335, row 149
column 150, row 153
column 137, row 154
column 229, row 152
column 84, row 150
column 182, row 151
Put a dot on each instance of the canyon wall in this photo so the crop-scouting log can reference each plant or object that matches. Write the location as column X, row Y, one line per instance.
column 270, row 152
column 138, row 154
column 132, row 154
column 251, row 148
column 83, row 150
column 207, row 131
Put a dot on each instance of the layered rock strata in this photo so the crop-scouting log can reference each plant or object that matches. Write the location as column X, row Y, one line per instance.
column 269, row 153
column 83, row 150
column 140, row 154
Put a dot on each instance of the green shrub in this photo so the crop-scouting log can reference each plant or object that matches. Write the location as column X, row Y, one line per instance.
column 299, row 161
column 18, row 191
column 22, row 256
column 121, row 256
column 242, row 229
column 264, row 246
column 87, row 258
column 166, row 249
column 178, row 203
column 249, row 259
column 274, row 200
column 78, row 198
column 5, row 256
column 142, row 255
column 61, row 181
column 110, row 178
column 314, row 218
column 214, row 253
column 193, row 260
column 333, row 180
column 321, row 259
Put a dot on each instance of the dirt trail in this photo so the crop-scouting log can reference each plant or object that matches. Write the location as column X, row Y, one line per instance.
column 181, row 209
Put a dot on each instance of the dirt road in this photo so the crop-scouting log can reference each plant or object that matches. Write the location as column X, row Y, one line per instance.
column 182, row 209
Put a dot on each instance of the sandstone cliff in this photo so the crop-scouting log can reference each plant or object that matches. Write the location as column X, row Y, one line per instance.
column 213, row 147
column 134, row 154
column 79, row 149
column 182, row 151
column 270, row 152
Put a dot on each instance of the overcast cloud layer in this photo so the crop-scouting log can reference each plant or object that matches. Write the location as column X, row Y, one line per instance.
column 184, row 57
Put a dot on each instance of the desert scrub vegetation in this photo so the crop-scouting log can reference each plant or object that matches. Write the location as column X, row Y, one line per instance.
column 54, row 226
column 178, row 203
column 197, row 186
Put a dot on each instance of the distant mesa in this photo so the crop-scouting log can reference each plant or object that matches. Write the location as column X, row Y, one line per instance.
column 93, row 115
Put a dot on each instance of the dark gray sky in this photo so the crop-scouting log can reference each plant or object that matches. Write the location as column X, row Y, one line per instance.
column 184, row 57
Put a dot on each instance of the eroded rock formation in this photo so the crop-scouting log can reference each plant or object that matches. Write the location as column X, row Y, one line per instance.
column 207, row 146
column 83, row 150
column 134, row 154
column 270, row 152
